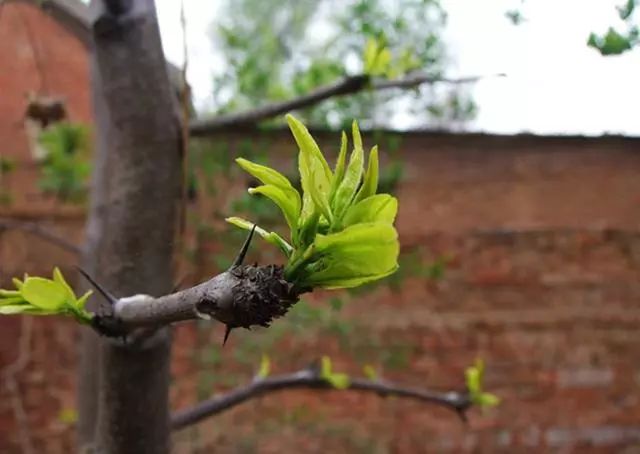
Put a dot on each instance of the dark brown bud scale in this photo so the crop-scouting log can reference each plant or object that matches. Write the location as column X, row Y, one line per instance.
column 261, row 295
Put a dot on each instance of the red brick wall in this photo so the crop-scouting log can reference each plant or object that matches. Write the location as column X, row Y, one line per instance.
column 38, row 56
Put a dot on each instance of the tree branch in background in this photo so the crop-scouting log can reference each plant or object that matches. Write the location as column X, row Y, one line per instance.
column 311, row 378
column 41, row 232
column 347, row 86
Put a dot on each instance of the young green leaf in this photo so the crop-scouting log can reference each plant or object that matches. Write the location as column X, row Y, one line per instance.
column 314, row 184
column 370, row 372
column 338, row 173
column 335, row 379
column 9, row 293
column 378, row 208
column 308, row 230
column 370, row 54
column 82, row 301
column 487, row 400
column 315, row 174
column 347, row 188
column 383, row 62
column 370, row 181
column 325, row 366
column 358, row 254
column 265, row 367
column 284, row 195
column 44, row 294
column 308, row 145
column 474, row 376
column 338, row 380
column 290, row 206
column 270, row 237
column 265, row 174
column 59, row 279
column 24, row 309
column 12, row 300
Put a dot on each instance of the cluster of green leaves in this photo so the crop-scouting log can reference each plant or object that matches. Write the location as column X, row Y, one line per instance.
column 276, row 50
column 474, row 376
column 40, row 296
column 341, row 231
column 614, row 42
column 65, row 168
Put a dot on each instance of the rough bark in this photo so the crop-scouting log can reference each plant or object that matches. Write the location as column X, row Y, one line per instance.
column 132, row 221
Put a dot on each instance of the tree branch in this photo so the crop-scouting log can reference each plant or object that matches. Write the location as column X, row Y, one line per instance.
column 243, row 296
column 347, row 86
column 41, row 232
column 310, row 378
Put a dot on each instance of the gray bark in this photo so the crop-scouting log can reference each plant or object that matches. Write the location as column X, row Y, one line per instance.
column 88, row 372
column 132, row 221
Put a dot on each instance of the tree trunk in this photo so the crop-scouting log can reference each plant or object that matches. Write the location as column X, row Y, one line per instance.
column 132, row 222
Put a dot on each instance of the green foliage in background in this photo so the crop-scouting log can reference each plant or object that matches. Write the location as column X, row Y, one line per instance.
column 40, row 296
column 277, row 50
column 66, row 167
column 474, row 376
column 341, row 230
column 615, row 42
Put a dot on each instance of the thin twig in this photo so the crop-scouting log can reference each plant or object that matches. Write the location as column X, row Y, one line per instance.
column 9, row 375
column 346, row 86
column 41, row 232
column 310, row 378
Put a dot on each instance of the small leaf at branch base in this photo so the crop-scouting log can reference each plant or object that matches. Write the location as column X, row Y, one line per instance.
column 338, row 380
column 265, row 367
column 370, row 372
column 335, row 379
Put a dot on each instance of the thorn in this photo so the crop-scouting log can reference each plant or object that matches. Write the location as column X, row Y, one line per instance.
column 227, row 331
column 245, row 247
column 108, row 296
column 462, row 413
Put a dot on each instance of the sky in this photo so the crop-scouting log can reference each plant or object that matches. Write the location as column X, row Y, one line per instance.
column 554, row 83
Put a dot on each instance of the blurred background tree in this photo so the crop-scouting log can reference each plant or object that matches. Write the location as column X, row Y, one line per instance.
column 277, row 50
